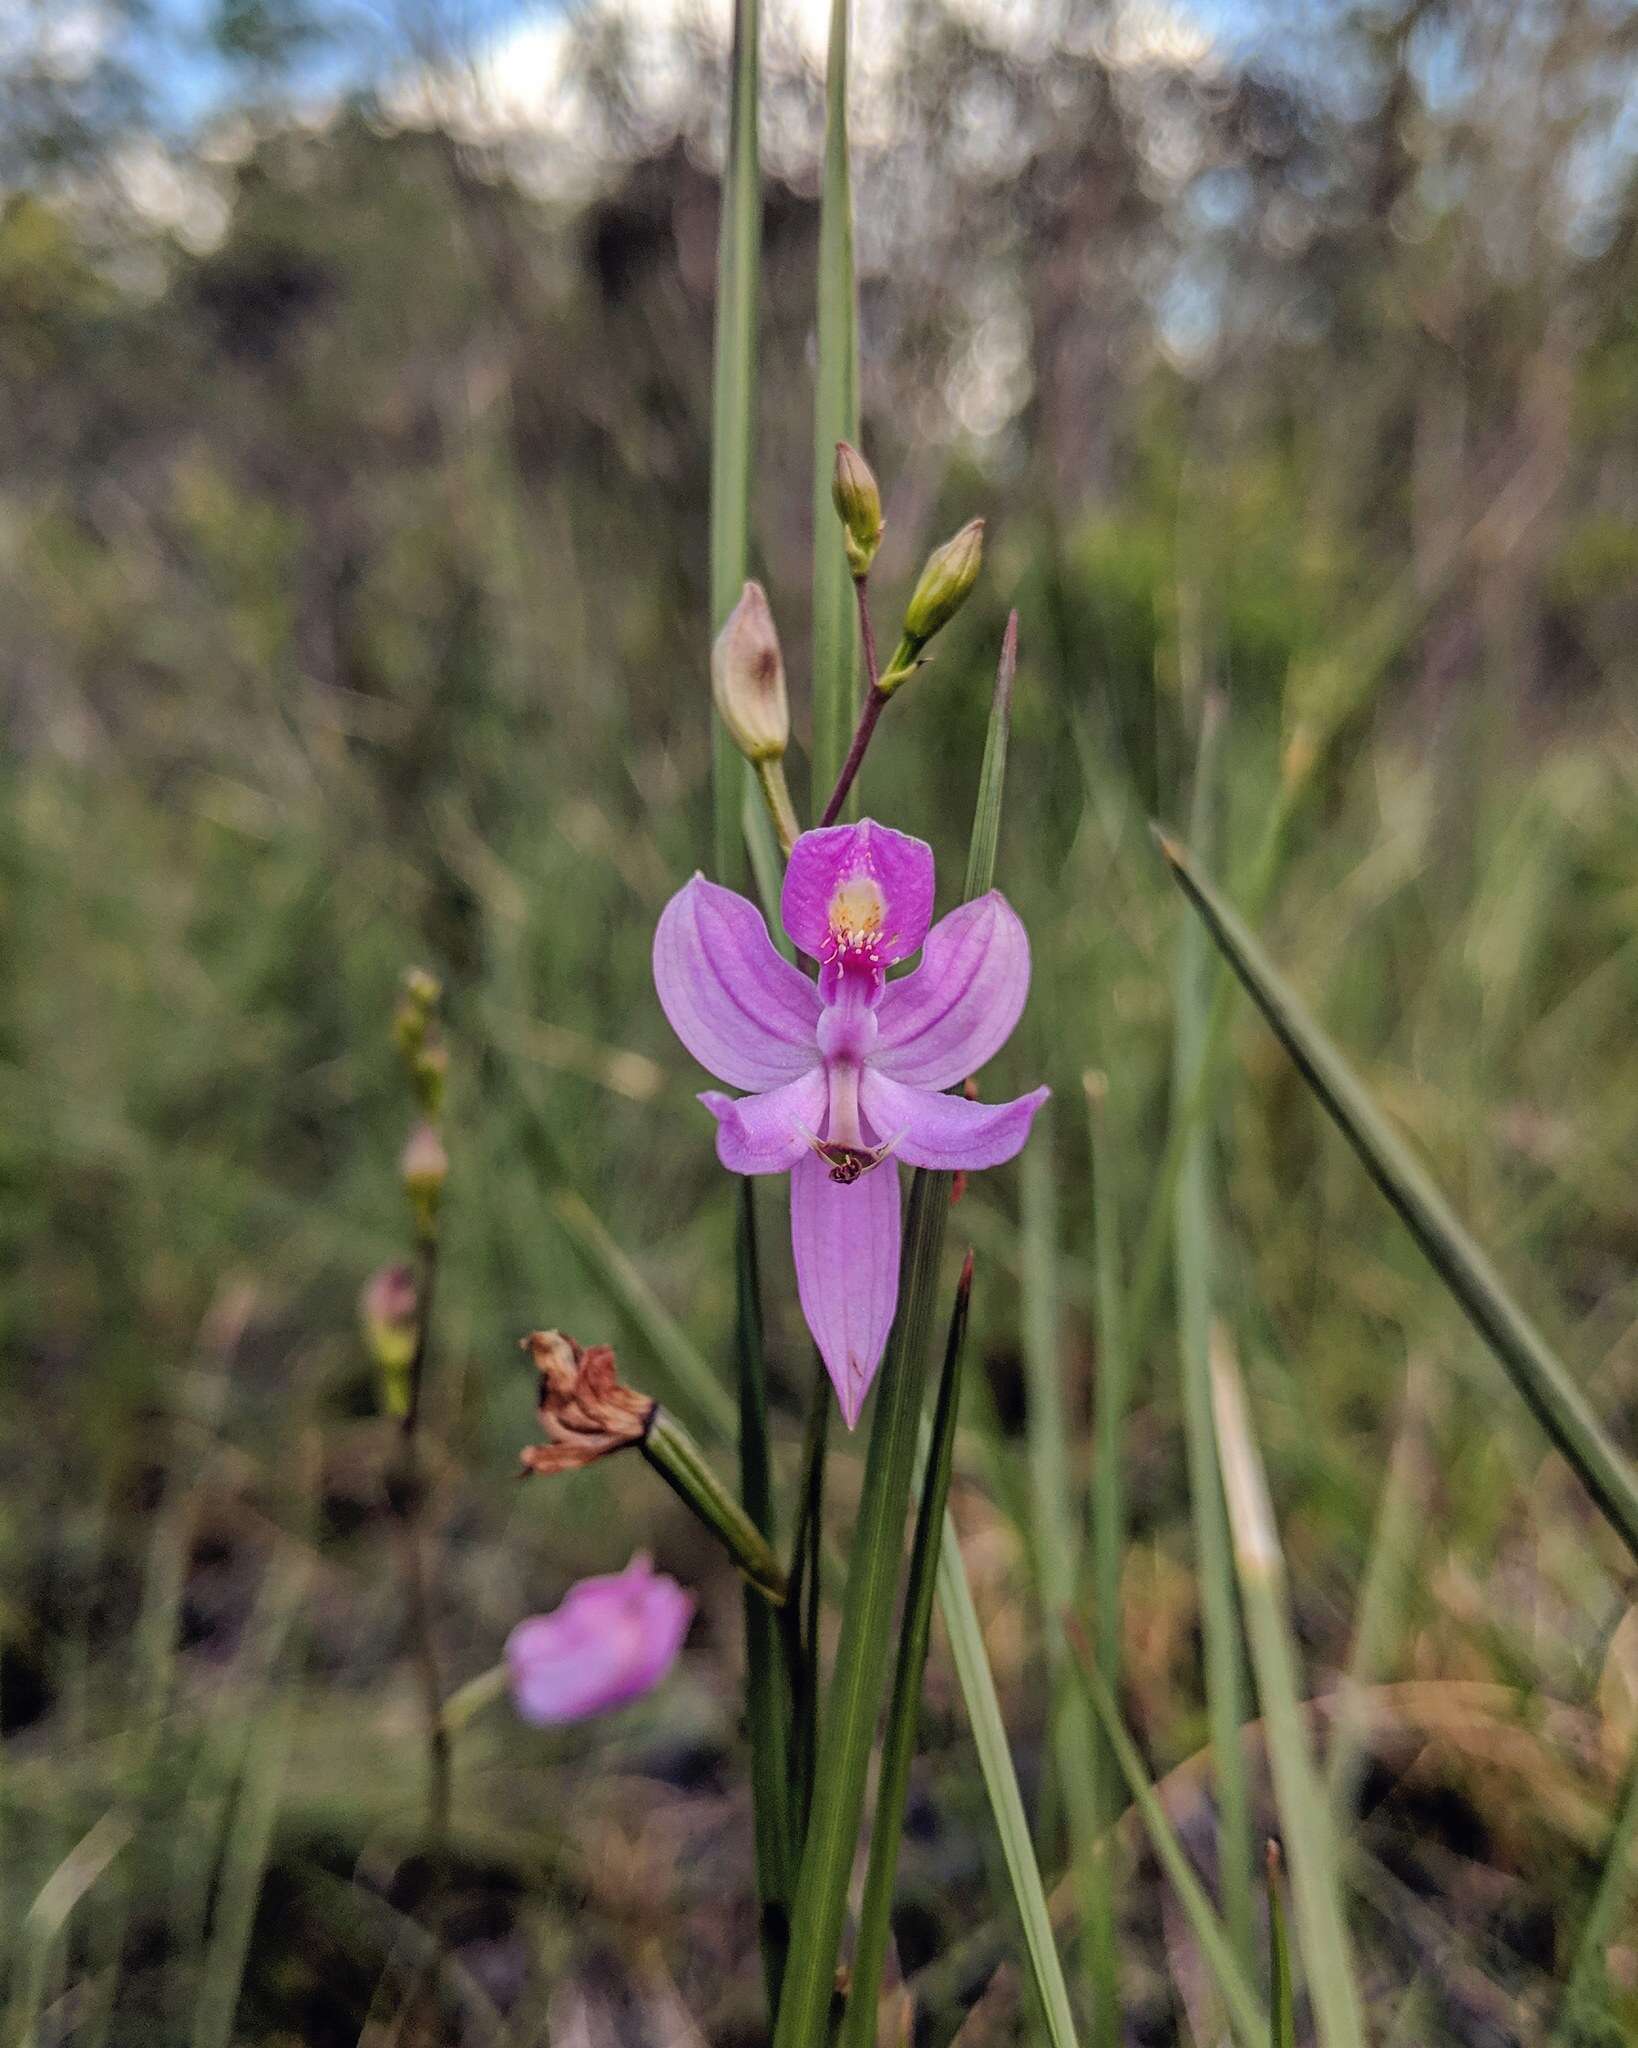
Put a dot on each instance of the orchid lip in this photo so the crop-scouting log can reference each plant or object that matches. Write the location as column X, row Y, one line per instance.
column 849, row 1163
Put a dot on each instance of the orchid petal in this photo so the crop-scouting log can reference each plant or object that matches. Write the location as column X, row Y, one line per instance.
column 823, row 863
column 846, row 1239
column 769, row 1133
column 745, row 1013
column 947, row 1131
column 609, row 1641
column 942, row 1022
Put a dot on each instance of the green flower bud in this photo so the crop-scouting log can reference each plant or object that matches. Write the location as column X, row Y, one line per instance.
column 858, row 502
column 748, row 679
column 950, row 574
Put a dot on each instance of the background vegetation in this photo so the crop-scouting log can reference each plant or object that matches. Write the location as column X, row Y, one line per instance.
column 353, row 612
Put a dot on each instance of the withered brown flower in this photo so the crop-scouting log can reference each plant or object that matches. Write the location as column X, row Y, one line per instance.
column 584, row 1410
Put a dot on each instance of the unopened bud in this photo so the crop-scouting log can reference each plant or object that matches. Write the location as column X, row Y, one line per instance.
column 748, row 679
column 423, row 1169
column 858, row 502
column 388, row 1314
column 950, row 574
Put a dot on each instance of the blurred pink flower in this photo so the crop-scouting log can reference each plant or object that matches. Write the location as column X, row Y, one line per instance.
column 846, row 1076
column 610, row 1640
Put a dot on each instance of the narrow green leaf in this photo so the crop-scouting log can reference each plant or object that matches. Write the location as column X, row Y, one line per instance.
column 1055, row 1521
column 955, row 1601
column 1111, row 1393
column 1282, row 2024
column 1245, row 2013
column 992, row 773
column 835, row 418
column 1299, row 1793
column 904, row 1705
column 1540, row 1376
column 767, row 1681
column 1194, row 1260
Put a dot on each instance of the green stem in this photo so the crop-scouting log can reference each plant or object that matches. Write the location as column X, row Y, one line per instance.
column 776, row 794
column 898, row 1743
column 767, row 1693
column 683, row 1465
column 1111, row 1393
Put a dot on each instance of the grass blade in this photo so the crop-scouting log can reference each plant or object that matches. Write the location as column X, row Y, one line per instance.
column 1111, row 1392
column 1054, row 1520
column 835, row 418
column 904, row 1709
column 1194, row 1260
column 1305, row 1814
column 1245, row 2014
column 1540, row 1376
column 992, row 773
column 1282, row 2024
column 972, row 1664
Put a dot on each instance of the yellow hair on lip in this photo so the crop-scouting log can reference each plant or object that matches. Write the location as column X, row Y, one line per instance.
column 857, row 908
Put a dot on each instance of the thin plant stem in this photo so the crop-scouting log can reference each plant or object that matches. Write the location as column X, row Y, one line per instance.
column 733, row 406
column 867, row 632
column 1111, row 1394
column 406, row 1493
column 770, row 775
column 875, row 704
column 767, row 1700
column 683, row 1465
column 835, row 418
column 807, row 1551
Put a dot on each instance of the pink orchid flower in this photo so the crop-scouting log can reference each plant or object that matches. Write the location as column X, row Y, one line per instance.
column 609, row 1641
column 845, row 1076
